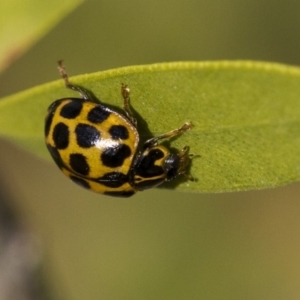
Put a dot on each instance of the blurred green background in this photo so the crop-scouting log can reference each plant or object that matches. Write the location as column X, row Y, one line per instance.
column 159, row 244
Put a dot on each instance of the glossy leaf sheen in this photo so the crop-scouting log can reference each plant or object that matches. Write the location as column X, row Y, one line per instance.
column 246, row 117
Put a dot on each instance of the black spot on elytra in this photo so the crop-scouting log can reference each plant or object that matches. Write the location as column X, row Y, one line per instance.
column 114, row 156
column 79, row 164
column 48, row 123
column 98, row 114
column 86, row 135
column 113, row 179
column 61, row 136
column 72, row 109
column 53, row 106
column 55, row 155
column 118, row 132
column 83, row 183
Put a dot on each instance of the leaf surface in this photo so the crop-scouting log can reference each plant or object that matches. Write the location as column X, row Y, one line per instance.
column 246, row 117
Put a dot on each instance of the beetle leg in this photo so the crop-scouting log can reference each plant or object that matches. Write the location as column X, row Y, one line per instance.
column 125, row 91
column 65, row 77
column 185, row 158
column 153, row 141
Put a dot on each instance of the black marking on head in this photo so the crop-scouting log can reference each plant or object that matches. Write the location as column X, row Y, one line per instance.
column 98, row 114
column 79, row 164
column 60, row 136
column 83, row 183
column 172, row 165
column 48, row 123
column 156, row 154
column 72, row 109
column 55, row 155
column 114, row 156
column 119, row 132
column 125, row 194
column 86, row 135
column 113, row 179
column 146, row 167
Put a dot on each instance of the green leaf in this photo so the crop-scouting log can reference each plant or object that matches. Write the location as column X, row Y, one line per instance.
column 22, row 22
column 246, row 117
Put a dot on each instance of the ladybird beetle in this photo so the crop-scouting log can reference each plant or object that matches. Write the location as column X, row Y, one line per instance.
column 99, row 149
